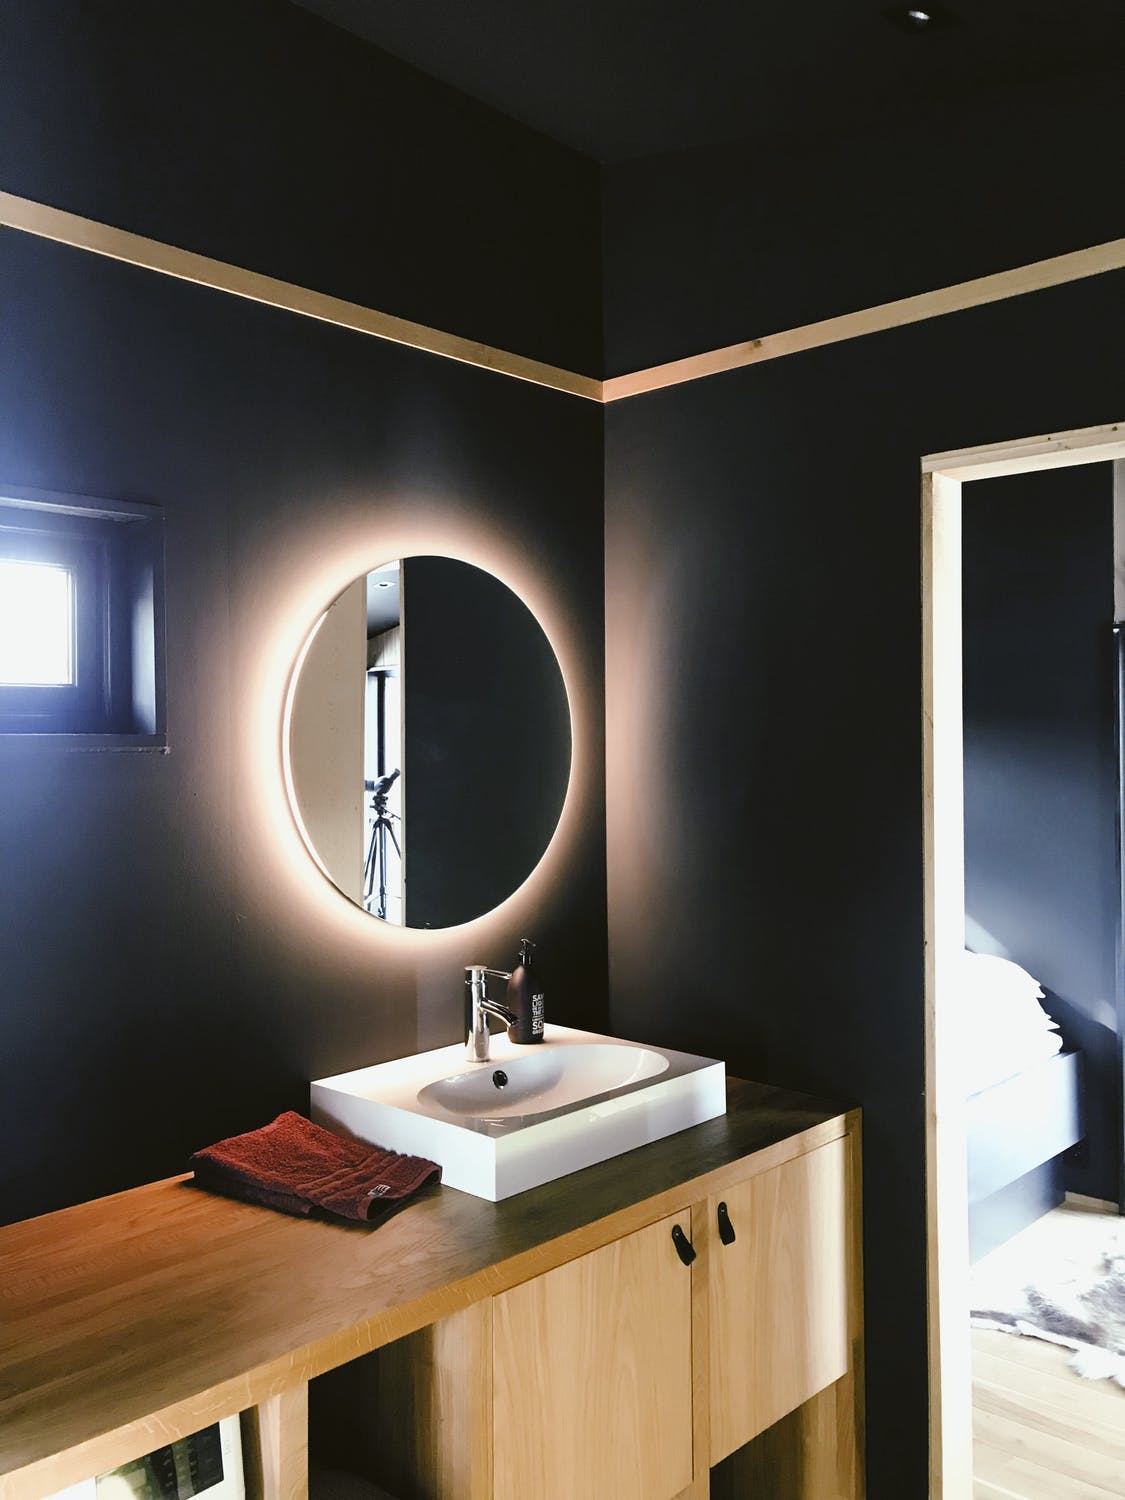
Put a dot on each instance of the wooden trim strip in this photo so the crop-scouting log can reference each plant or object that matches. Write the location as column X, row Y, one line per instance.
column 1030, row 278
column 947, row 1248
column 1084, row 445
column 852, row 1391
column 119, row 244
column 947, row 1193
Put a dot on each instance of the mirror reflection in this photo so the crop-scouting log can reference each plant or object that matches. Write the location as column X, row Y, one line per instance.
column 428, row 742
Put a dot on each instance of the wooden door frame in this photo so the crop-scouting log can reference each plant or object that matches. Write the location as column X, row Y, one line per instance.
column 947, row 1246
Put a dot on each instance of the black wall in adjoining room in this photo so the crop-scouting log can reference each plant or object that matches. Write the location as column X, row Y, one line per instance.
column 708, row 247
column 174, row 968
column 764, row 806
column 1041, row 767
column 260, row 135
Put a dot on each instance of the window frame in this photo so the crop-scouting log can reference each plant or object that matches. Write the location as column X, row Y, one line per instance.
column 114, row 551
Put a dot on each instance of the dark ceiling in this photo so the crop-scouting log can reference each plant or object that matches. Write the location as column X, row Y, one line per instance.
column 623, row 78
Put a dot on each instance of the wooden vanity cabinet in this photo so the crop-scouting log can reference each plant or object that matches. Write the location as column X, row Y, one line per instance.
column 592, row 1380
column 558, row 1345
column 573, row 1385
column 626, row 1374
column 777, row 1293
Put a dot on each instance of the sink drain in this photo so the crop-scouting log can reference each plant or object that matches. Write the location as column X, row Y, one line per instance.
column 500, row 1078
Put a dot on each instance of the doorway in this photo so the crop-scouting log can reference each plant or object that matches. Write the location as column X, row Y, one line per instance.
column 951, row 1466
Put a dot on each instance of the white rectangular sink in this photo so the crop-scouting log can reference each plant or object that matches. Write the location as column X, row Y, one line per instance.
column 528, row 1115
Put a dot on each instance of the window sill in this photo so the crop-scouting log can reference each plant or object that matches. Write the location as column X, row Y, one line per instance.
column 151, row 742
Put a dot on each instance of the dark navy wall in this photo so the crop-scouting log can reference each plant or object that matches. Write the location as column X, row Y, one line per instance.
column 172, row 967
column 763, row 606
column 1041, row 765
column 258, row 134
column 705, row 248
column 764, row 732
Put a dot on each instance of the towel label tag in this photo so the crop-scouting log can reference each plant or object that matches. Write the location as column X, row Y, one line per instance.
column 379, row 1191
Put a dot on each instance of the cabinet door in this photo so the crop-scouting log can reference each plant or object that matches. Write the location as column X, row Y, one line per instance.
column 778, row 1294
column 592, row 1376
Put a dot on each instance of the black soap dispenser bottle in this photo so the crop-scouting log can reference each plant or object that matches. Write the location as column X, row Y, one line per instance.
column 525, row 998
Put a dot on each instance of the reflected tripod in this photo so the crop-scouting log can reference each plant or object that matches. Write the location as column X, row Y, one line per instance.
column 377, row 846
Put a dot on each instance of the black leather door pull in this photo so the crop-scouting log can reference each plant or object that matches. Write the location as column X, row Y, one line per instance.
column 684, row 1247
column 726, row 1228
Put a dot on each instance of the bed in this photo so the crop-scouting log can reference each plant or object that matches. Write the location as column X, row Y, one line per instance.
column 1025, row 1100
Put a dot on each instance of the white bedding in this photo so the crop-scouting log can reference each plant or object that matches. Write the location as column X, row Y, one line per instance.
column 1006, row 1029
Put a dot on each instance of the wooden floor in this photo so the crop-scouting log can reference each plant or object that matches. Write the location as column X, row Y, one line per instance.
column 1040, row 1432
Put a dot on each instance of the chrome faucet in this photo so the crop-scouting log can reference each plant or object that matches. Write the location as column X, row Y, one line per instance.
column 482, row 1006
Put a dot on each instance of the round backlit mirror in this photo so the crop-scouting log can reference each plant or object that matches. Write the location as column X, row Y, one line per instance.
column 427, row 742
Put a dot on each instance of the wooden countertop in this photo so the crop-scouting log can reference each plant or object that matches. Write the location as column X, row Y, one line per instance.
column 151, row 1313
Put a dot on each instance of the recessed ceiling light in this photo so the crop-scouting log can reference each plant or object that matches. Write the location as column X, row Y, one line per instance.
column 916, row 18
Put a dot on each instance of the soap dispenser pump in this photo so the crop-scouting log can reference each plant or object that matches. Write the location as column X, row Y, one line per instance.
column 525, row 997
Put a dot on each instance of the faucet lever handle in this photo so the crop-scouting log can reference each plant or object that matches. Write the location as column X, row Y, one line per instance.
column 479, row 1008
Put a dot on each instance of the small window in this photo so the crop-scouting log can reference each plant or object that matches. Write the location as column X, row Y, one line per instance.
column 81, row 620
column 36, row 624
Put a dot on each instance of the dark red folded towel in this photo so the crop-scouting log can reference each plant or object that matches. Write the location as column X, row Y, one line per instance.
column 296, row 1166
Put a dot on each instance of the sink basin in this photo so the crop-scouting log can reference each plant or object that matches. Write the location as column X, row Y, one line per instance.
column 547, row 1079
column 530, row 1114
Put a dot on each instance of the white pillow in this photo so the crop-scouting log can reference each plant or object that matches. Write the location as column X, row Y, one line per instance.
column 999, row 996
column 1004, row 973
